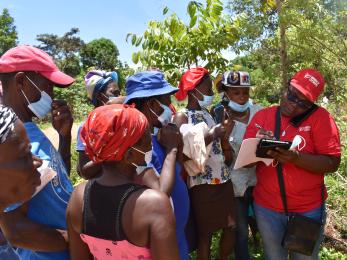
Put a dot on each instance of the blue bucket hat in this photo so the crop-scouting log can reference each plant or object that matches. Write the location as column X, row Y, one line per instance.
column 147, row 84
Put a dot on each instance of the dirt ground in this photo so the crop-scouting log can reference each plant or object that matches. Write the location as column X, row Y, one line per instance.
column 54, row 137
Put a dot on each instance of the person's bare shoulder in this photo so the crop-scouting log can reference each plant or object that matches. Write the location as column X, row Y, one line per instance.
column 75, row 207
column 180, row 118
column 154, row 202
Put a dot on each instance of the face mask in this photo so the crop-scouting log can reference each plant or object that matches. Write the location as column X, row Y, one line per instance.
column 109, row 98
column 148, row 159
column 237, row 107
column 297, row 140
column 42, row 107
column 155, row 130
column 207, row 100
column 164, row 117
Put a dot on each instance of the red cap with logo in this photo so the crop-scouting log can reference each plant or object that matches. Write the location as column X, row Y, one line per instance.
column 28, row 58
column 309, row 82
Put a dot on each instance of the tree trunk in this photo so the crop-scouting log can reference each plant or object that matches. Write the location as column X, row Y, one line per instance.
column 283, row 45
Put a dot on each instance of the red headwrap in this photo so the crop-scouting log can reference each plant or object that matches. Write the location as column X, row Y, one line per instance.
column 189, row 81
column 110, row 130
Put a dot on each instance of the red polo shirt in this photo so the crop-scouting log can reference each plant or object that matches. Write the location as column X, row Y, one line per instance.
column 303, row 188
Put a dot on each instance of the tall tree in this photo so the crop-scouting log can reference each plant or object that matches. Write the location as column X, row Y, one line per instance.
column 296, row 34
column 65, row 49
column 172, row 45
column 8, row 33
column 100, row 53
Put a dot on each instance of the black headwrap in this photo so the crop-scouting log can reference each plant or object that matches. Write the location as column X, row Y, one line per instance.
column 7, row 120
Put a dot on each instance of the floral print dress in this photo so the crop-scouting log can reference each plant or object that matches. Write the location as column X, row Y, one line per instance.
column 216, row 172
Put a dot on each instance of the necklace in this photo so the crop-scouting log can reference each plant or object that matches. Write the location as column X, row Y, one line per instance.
column 284, row 131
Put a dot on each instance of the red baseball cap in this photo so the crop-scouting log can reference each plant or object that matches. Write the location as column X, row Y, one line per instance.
column 28, row 58
column 309, row 82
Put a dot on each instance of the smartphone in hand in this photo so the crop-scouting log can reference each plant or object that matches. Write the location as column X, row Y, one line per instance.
column 219, row 113
column 267, row 144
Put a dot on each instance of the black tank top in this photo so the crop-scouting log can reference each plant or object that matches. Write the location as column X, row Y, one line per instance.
column 102, row 209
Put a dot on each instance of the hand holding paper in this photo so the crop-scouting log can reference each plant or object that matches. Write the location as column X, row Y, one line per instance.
column 47, row 174
column 247, row 154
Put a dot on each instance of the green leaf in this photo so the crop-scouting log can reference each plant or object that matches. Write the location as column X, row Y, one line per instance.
column 217, row 10
column 133, row 39
column 138, row 41
column 128, row 35
column 135, row 57
column 165, row 10
column 191, row 9
column 193, row 21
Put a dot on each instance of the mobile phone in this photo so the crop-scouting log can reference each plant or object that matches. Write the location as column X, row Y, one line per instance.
column 266, row 145
column 219, row 113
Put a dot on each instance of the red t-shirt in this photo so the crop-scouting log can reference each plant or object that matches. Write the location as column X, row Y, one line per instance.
column 303, row 188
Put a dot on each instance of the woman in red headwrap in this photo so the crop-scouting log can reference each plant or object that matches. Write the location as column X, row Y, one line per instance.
column 211, row 190
column 111, row 217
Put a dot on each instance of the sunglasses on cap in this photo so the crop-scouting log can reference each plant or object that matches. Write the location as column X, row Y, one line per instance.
column 292, row 97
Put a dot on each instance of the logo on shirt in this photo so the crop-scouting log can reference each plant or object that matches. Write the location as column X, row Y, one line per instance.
column 305, row 128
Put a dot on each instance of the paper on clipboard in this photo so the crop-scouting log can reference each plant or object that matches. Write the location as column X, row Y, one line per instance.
column 47, row 174
column 247, row 154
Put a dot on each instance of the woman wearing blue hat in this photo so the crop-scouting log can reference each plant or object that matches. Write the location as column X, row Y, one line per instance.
column 151, row 94
column 102, row 88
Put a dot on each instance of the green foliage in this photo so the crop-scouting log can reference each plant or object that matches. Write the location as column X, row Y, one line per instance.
column 76, row 97
column 64, row 50
column 74, row 177
column 100, row 53
column 8, row 33
column 123, row 71
column 173, row 46
column 257, row 252
column 316, row 36
column 331, row 254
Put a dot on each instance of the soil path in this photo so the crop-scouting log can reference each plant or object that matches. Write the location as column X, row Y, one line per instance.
column 54, row 137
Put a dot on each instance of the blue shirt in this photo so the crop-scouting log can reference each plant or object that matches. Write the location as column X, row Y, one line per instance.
column 48, row 207
column 79, row 144
column 179, row 197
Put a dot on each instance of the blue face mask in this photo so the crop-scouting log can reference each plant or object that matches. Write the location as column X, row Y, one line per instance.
column 165, row 116
column 237, row 107
column 207, row 100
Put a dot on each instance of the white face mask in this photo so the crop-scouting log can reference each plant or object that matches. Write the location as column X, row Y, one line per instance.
column 109, row 98
column 148, row 159
column 207, row 100
column 237, row 107
column 297, row 140
column 155, row 130
column 41, row 107
column 164, row 117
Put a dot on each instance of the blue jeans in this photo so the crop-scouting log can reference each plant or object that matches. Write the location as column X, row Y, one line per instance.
column 272, row 226
column 241, row 239
column 8, row 253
